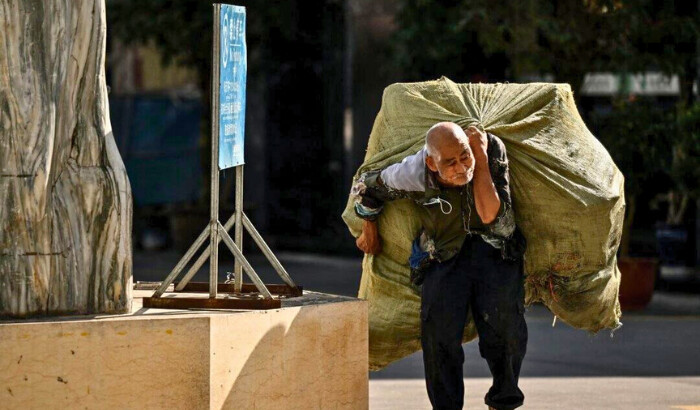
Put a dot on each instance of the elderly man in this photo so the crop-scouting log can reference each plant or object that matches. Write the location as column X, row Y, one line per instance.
column 468, row 256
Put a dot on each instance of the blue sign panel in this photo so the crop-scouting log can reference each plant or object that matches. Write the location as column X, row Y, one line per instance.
column 233, row 67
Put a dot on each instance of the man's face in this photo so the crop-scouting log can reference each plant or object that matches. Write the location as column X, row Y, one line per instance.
column 454, row 162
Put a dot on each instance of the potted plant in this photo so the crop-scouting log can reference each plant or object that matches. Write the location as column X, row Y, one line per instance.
column 636, row 134
column 674, row 243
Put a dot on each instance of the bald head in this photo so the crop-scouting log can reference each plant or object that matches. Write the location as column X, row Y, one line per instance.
column 449, row 154
column 443, row 135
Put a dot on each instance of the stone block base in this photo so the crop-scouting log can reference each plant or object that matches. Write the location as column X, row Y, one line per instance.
column 310, row 354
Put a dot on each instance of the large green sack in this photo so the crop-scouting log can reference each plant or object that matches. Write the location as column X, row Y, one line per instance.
column 567, row 195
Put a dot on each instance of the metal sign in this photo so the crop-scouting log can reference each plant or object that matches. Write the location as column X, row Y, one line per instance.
column 232, row 84
column 228, row 122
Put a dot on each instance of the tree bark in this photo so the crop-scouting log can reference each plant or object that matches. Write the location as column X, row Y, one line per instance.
column 65, row 199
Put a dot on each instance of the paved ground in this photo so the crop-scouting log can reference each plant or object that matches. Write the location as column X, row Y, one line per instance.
column 568, row 393
column 652, row 362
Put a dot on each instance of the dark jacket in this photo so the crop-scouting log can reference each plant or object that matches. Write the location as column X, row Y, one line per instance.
column 448, row 215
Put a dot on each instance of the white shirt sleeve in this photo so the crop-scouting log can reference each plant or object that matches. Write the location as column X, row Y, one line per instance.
column 407, row 175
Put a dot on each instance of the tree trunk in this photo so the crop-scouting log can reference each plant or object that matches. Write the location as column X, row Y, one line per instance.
column 65, row 200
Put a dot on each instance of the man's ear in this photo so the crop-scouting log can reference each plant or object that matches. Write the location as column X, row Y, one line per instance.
column 430, row 162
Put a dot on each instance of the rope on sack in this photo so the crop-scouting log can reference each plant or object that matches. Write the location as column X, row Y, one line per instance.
column 554, row 297
column 537, row 283
column 551, row 289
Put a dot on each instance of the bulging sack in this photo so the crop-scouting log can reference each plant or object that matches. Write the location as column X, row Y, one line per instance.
column 568, row 198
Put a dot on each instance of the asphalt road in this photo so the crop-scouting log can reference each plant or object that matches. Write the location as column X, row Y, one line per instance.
column 651, row 362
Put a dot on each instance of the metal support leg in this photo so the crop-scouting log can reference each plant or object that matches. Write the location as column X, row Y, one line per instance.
column 202, row 258
column 181, row 264
column 238, row 234
column 267, row 251
column 214, row 260
column 214, row 206
column 244, row 263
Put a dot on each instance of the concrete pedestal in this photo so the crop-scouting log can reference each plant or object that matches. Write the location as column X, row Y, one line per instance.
column 310, row 354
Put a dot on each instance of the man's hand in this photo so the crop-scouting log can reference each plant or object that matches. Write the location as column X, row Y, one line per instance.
column 477, row 140
column 368, row 242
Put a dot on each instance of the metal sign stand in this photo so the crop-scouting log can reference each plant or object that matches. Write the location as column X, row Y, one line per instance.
column 239, row 295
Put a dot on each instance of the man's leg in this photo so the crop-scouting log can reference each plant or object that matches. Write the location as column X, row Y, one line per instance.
column 498, row 311
column 444, row 308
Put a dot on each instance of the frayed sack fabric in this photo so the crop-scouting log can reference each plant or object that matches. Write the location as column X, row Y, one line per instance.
column 568, row 198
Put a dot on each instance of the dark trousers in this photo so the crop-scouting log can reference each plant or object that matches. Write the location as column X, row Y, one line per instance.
column 480, row 280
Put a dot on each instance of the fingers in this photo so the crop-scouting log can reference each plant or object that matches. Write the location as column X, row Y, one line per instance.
column 360, row 243
column 368, row 247
column 473, row 131
column 477, row 138
column 373, row 250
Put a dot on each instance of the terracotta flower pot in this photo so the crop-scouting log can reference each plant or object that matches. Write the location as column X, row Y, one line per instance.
column 637, row 282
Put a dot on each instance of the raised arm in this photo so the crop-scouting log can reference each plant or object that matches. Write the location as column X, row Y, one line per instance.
column 492, row 186
column 486, row 198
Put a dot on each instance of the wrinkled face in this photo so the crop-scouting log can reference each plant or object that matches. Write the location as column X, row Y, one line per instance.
column 454, row 162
